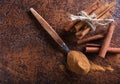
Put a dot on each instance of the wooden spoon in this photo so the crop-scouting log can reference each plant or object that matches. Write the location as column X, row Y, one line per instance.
column 77, row 61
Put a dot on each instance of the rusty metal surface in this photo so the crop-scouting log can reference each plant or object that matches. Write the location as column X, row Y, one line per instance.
column 28, row 55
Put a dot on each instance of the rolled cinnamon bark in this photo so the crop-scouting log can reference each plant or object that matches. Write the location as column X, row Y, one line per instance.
column 70, row 25
column 96, row 50
column 106, row 41
column 93, row 45
column 84, row 32
column 101, row 9
column 79, row 25
column 93, row 7
column 112, row 4
column 95, row 37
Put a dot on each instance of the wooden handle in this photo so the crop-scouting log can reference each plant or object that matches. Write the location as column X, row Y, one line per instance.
column 49, row 29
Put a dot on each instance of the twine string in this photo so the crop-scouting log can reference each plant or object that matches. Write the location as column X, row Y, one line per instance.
column 90, row 19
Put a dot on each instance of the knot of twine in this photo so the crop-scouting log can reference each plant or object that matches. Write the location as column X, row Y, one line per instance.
column 90, row 20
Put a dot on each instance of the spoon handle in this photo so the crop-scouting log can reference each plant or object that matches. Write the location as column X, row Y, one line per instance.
column 49, row 29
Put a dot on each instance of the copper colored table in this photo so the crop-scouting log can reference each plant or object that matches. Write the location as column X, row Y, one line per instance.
column 28, row 55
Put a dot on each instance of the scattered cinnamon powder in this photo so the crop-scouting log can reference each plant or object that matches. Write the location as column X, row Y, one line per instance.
column 109, row 68
column 95, row 67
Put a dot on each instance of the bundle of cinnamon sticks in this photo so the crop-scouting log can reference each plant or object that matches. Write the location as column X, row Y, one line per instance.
column 102, row 11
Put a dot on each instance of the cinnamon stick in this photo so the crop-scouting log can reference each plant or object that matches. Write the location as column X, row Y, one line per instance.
column 70, row 25
column 78, row 33
column 79, row 25
column 107, row 9
column 107, row 40
column 106, row 15
column 93, row 7
column 84, row 32
column 92, row 45
column 102, row 8
column 96, row 50
column 95, row 37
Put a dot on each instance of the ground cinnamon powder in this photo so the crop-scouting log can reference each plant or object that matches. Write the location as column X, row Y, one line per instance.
column 78, row 62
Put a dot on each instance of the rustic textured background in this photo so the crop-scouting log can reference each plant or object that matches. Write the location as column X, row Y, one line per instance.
column 28, row 55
